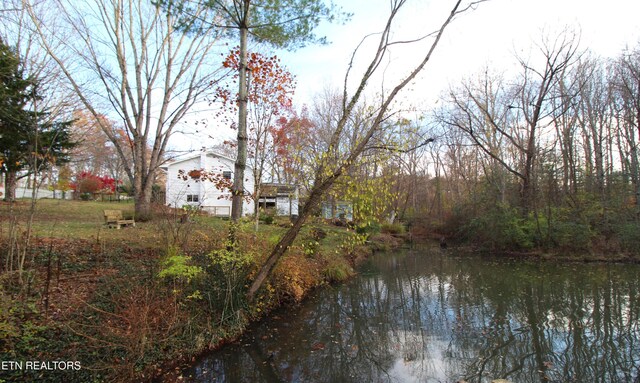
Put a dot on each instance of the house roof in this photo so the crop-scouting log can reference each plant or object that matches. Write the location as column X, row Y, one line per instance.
column 197, row 155
column 276, row 189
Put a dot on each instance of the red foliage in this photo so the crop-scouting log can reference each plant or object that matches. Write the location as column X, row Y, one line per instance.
column 87, row 182
column 195, row 174
column 288, row 136
column 270, row 90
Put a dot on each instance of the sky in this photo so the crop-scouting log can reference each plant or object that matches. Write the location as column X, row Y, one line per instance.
column 489, row 36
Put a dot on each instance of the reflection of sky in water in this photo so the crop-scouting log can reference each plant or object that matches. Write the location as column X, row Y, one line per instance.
column 433, row 318
column 418, row 362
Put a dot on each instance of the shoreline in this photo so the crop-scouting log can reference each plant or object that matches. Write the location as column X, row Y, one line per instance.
column 172, row 372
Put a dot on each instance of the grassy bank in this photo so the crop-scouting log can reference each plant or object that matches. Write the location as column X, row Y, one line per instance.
column 123, row 305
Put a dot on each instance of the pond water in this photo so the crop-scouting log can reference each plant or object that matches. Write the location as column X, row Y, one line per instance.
column 438, row 316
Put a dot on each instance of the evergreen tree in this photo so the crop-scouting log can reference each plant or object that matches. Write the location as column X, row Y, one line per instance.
column 29, row 142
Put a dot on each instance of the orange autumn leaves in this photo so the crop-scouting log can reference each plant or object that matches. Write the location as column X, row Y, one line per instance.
column 273, row 124
column 270, row 84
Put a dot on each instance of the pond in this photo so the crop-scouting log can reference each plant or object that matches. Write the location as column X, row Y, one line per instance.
column 439, row 316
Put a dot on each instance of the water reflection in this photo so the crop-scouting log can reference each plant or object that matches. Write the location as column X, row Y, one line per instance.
column 423, row 316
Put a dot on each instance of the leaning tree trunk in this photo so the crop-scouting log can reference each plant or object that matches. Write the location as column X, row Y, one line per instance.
column 324, row 183
column 314, row 200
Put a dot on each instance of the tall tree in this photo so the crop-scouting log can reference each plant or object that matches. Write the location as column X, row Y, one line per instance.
column 15, row 119
column 292, row 137
column 329, row 170
column 496, row 115
column 287, row 24
column 130, row 58
column 272, row 87
column 626, row 85
column 30, row 142
column 94, row 152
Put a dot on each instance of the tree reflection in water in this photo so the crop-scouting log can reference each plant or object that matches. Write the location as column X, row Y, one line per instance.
column 422, row 316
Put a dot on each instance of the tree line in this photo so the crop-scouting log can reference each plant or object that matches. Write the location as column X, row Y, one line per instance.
column 543, row 156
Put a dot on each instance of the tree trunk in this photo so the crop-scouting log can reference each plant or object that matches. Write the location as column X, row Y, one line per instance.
column 256, row 207
column 142, row 198
column 237, row 190
column 10, row 181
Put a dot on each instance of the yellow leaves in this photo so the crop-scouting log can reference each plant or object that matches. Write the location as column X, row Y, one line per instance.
column 196, row 295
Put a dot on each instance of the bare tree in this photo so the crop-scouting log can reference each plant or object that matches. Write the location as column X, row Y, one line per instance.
column 482, row 109
column 495, row 115
column 129, row 60
column 534, row 98
column 595, row 118
column 565, row 117
column 626, row 85
column 329, row 170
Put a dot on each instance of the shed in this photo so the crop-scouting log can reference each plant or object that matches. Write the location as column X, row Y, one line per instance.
column 281, row 198
column 342, row 210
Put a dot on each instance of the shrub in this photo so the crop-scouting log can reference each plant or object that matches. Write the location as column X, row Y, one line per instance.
column 87, row 182
column 337, row 269
column 392, row 228
column 500, row 229
column 176, row 266
column 629, row 236
column 267, row 219
column 368, row 228
column 571, row 235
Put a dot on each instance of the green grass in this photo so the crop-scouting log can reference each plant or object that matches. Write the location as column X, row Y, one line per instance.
column 84, row 220
column 75, row 220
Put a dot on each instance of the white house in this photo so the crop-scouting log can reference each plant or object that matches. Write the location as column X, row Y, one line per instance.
column 204, row 194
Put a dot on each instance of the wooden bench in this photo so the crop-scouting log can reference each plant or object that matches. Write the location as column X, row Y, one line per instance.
column 113, row 218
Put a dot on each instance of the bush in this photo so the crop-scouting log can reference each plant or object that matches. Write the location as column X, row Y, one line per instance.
column 629, row 236
column 500, row 229
column 571, row 235
column 267, row 219
column 392, row 228
column 368, row 228
column 176, row 266
column 337, row 269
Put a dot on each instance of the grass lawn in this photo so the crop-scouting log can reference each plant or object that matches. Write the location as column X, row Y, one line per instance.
column 63, row 218
column 84, row 220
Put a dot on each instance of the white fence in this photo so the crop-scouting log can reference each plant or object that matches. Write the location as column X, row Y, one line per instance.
column 41, row 193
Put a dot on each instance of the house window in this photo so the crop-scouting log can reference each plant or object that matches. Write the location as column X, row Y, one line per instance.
column 193, row 198
column 226, row 174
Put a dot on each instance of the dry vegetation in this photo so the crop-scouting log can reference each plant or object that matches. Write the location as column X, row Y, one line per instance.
column 126, row 302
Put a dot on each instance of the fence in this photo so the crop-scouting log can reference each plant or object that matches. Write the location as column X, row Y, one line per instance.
column 40, row 193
